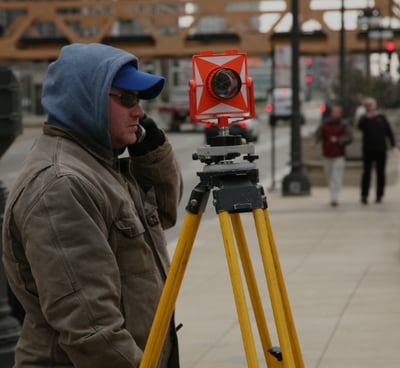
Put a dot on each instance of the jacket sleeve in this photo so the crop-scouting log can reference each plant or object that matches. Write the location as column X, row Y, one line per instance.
column 347, row 136
column 77, row 277
column 389, row 132
column 160, row 169
column 361, row 122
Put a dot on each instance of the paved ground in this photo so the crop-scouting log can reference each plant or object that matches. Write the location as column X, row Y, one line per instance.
column 342, row 271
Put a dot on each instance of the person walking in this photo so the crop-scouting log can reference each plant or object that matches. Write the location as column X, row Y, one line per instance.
column 83, row 242
column 334, row 134
column 376, row 133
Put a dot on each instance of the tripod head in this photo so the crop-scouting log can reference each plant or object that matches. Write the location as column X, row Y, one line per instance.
column 224, row 153
column 234, row 184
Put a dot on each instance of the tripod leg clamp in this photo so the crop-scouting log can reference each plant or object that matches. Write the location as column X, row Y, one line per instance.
column 198, row 199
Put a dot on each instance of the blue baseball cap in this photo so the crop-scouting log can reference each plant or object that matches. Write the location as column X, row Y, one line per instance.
column 130, row 78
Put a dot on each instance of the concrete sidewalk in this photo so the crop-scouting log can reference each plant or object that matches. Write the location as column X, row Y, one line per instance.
column 342, row 271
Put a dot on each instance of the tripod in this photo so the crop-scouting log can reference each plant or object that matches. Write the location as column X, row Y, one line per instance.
column 235, row 190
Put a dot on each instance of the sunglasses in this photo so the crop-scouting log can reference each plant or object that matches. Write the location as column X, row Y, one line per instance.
column 127, row 99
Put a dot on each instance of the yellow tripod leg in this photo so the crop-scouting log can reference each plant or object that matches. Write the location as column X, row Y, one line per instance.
column 284, row 320
column 170, row 291
column 289, row 315
column 238, row 291
column 254, row 293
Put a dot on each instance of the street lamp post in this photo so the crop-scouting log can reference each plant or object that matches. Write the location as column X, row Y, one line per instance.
column 342, row 58
column 296, row 182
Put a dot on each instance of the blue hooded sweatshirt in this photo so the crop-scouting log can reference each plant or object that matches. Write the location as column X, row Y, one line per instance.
column 76, row 88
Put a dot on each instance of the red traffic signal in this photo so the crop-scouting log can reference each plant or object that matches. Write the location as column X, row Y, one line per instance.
column 309, row 78
column 390, row 46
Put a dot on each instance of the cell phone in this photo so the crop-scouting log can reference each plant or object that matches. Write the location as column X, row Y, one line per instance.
column 140, row 134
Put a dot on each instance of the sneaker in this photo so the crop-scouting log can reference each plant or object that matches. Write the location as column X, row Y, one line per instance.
column 378, row 200
column 334, row 204
column 364, row 200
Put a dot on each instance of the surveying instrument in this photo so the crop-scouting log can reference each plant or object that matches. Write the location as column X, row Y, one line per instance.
column 222, row 92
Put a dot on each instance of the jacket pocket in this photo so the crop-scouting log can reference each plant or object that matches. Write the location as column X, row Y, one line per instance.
column 129, row 225
column 133, row 253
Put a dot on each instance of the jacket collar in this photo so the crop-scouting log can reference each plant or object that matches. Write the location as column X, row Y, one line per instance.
column 100, row 152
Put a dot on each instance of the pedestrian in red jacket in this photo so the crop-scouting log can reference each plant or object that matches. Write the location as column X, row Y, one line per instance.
column 334, row 134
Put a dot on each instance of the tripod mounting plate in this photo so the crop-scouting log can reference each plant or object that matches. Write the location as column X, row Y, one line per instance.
column 241, row 149
column 216, row 154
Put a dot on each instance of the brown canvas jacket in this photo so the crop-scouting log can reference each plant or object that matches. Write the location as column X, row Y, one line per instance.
column 86, row 261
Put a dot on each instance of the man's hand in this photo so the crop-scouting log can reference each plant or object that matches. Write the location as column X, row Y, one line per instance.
column 153, row 138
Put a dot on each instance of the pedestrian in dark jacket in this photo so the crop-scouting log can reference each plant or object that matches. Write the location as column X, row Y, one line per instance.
column 376, row 133
column 334, row 134
column 84, row 247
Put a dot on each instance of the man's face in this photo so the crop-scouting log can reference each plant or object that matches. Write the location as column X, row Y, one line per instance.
column 336, row 112
column 369, row 105
column 123, row 120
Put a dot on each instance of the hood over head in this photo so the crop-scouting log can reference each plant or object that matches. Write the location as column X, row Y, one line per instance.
column 77, row 86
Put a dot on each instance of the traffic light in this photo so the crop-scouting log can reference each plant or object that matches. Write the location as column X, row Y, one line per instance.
column 390, row 46
column 309, row 77
column 309, row 66
column 309, row 70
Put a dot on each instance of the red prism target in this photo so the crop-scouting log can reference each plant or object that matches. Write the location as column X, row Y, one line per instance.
column 221, row 91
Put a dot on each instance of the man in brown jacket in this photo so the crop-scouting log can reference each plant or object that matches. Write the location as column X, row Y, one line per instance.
column 84, row 248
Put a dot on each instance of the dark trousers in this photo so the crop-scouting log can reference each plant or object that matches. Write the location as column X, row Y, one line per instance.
column 369, row 158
